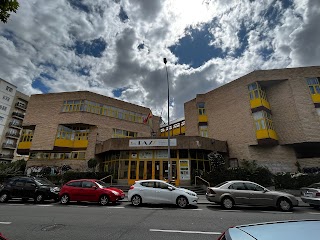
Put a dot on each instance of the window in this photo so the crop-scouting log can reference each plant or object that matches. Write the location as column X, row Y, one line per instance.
column 74, row 184
column 87, row 184
column 201, row 108
column 119, row 133
column 237, row 186
column 4, row 108
column 314, row 85
column 203, row 131
column 253, row 187
column 30, row 183
column 148, row 184
column 19, row 183
column 9, row 89
column 263, row 120
column 1, row 118
column 161, row 185
column 6, row 98
column 256, row 91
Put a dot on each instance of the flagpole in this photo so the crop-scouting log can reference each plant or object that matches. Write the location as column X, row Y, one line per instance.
column 169, row 159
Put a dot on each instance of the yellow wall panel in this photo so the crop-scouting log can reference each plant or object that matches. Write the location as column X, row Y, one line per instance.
column 316, row 98
column 80, row 143
column 262, row 134
column 258, row 102
column 272, row 134
column 63, row 143
column 24, row 145
column 202, row 118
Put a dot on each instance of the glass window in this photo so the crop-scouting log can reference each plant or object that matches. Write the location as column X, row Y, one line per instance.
column 87, row 184
column 148, row 184
column 19, row 183
column 312, row 90
column 74, row 184
column 29, row 183
column 253, row 187
column 237, row 186
column 183, row 153
column 133, row 169
column 161, row 185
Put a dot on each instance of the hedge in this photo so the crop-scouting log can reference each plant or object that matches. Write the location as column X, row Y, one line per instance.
column 295, row 181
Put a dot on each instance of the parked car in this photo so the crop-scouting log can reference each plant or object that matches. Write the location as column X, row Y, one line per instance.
column 232, row 193
column 311, row 195
column 160, row 192
column 39, row 189
column 2, row 237
column 89, row 190
column 285, row 230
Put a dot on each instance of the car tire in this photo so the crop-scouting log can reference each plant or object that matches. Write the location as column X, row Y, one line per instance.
column 64, row 199
column 104, row 200
column 39, row 198
column 182, row 202
column 136, row 200
column 284, row 204
column 4, row 197
column 227, row 203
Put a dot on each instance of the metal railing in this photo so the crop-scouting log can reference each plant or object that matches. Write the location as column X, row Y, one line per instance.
column 9, row 145
column 14, row 124
column 109, row 176
column 20, row 115
column 9, row 134
column 195, row 180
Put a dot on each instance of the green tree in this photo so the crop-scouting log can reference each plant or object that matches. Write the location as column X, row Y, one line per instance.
column 92, row 164
column 6, row 7
column 216, row 161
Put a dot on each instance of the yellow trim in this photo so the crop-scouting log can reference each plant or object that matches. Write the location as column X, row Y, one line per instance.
column 24, row 145
column 258, row 102
column 202, row 118
column 272, row 134
column 63, row 143
column 266, row 133
column 316, row 98
column 80, row 143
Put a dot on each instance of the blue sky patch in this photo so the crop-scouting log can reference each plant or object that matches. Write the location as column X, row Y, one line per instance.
column 194, row 49
column 243, row 38
column 79, row 5
column 141, row 46
column 38, row 84
column 123, row 15
column 118, row 92
column 84, row 71
column 93, row 48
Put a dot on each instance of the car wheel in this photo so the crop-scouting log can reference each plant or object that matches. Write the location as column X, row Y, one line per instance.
column 136, row 200
column 284, row 204
column 104, row 200
column 4, row 197
column 227, row 203
column 182, row 202
column 38, row 198
column 64, row 199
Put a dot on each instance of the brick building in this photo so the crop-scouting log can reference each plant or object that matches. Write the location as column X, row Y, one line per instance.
column 271, row 116
column 65, row 130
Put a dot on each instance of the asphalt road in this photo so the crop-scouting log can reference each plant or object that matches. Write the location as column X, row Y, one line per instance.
column 48, row 221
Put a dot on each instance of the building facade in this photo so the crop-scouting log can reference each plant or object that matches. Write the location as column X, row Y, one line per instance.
column 13, row 105
column 271, row 116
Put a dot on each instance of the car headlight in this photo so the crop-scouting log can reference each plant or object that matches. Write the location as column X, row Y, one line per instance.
column 54, row 189
column 115, row 193
column 192, row 194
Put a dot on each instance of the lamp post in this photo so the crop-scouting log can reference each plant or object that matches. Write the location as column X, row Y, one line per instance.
column 169, row 160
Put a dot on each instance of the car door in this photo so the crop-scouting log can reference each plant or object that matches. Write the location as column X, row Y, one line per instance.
column 29, row 189
column 17, row 188
column 239, row 193
column 74, row 189
column 163, row 194
column 147, row 192
column 258, row 195
column 89, row 192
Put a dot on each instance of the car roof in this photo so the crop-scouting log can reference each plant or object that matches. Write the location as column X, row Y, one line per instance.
column 151, row 180
column 83, row 179
column 292, row 229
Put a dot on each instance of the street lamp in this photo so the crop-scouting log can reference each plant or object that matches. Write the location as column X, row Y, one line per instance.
column 169, row 160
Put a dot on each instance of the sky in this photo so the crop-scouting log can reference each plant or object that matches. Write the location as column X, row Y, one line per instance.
column 116, row 48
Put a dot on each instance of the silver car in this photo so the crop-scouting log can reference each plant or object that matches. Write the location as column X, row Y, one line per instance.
column 286, row 230
column 232, row 193
column 311, row 195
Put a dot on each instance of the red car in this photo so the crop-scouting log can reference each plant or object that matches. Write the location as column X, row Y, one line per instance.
column 89, row 190
column 2, row 237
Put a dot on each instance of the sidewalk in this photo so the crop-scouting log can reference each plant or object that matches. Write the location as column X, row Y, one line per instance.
column 203, row 200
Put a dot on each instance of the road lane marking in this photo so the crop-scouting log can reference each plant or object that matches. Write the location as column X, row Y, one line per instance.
column 79, row 206
column 197, row 209
column 43, row 205
column 116, row 207
column 16, row 204
column 5, row 223
column 316, row 213
column 230, row 211
column 181, row 231
column 151, row 208
column 273, row 212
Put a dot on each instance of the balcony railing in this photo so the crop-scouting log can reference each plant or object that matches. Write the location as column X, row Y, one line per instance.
column 14, row 124
column 9, row 145
column 6, row 156
column 17, row 114
column 21, row 106
column 15, row 135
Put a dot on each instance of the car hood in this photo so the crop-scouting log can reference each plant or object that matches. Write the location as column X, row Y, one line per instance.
column 186, row 190
column 114, row 189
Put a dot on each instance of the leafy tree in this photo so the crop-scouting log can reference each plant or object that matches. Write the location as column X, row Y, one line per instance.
column 216, row 161
column 17, row 167
column 6, row 7
column 92, row 164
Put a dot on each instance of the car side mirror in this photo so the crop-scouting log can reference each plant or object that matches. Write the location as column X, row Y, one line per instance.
column 265, row 190
column 170, row 188
column 94, row 187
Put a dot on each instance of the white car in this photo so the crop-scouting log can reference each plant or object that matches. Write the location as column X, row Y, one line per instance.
column 160, row 192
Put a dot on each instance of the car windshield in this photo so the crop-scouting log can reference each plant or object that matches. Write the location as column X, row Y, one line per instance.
column 220, row 184
column 101, row 184
column 43, row 181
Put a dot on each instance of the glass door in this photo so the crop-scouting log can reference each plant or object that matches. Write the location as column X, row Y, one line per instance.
column 149, row 170
column 157, row 170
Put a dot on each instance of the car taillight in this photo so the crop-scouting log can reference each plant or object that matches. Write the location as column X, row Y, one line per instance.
column 210, row 191
column 318, row 194
column 131, row 187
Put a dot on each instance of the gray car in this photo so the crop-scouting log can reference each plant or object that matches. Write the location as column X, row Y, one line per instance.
column 286, row 230
column 232, row 193
column 311, row 195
